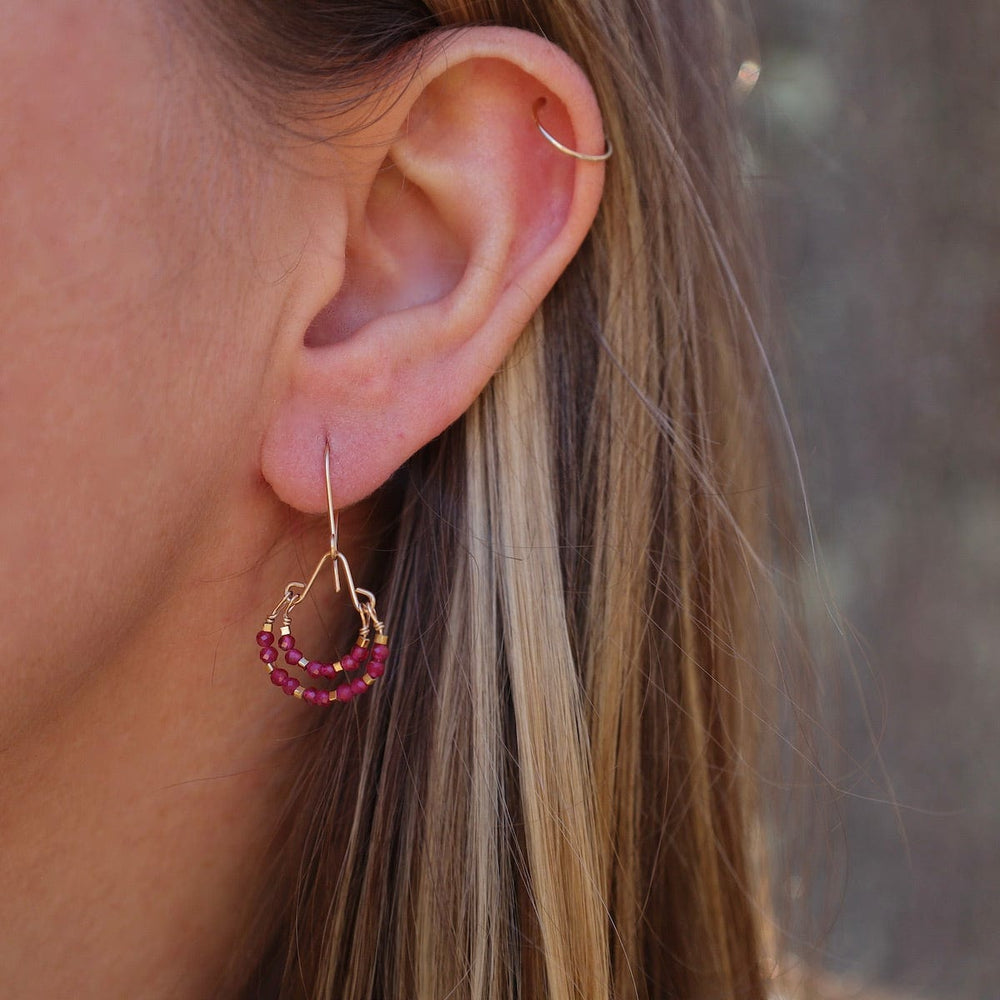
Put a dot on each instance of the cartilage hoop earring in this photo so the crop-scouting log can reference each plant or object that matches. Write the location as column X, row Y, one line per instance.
column 357, row 670
column 586, row 157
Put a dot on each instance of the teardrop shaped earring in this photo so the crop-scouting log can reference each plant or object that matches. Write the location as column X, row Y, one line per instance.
column 371, row 648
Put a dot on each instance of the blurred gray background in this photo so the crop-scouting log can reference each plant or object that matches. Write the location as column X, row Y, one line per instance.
column 875, row 132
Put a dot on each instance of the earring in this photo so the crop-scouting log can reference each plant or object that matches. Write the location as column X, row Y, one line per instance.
column 586, row 157
column 371, row 648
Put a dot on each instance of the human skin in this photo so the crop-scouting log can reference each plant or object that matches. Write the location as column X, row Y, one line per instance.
column 142, row 761
column 162, row 270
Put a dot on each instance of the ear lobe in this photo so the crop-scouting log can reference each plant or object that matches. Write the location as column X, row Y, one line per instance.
column 461, row 230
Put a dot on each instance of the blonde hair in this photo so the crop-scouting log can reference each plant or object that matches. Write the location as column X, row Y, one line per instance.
column 553, row 793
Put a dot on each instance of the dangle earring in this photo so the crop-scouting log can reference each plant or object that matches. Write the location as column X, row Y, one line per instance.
column 371, row 648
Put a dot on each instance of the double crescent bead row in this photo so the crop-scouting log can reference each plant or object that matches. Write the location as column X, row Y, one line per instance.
column 369, row 655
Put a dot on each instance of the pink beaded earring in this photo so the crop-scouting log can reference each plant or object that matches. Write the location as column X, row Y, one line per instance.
column 371, row 648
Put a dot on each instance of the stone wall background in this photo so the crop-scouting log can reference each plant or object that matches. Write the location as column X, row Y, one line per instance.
column 875, row 131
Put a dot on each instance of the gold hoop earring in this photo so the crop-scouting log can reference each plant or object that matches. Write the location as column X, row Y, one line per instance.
column 586, row 157
column 371, row 648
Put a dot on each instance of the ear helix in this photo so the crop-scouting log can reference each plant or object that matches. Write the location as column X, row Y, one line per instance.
column 356, row 670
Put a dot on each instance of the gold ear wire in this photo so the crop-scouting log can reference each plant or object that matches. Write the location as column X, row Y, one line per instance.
column 586, row 157
column 334, row 520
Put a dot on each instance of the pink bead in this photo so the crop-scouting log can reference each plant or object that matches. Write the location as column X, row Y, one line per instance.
column 309, row 695
column 344, row 693
column 348, row 663
column 314, row 669
column 380, row 652
column 265, row 638
column 287, row 642
column 269, row 654
column 290, row 685
column 293, row 656
column 358, row 686
column 358, row 654
column 376, row 668
column 328, row 669
column 279, row 676
column 322, row 697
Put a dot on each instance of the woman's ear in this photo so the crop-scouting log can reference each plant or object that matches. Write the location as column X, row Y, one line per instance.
column 459, row 218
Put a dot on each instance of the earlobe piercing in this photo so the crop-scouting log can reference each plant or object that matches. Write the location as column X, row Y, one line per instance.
column 371, row 648
column 587, row 157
